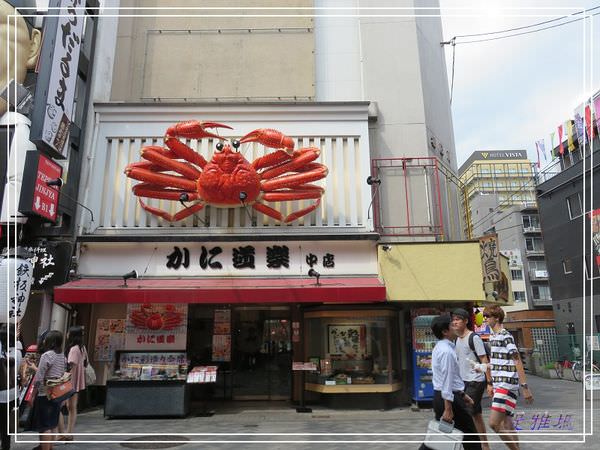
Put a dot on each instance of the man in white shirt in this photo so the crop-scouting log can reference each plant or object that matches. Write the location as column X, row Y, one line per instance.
column 470, row 351
column 449, row 400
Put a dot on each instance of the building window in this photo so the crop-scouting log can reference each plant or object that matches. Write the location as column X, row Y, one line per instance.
column 516, row 274
column 531, row 221
column 534, row 245
column 591, row 269
column 519, row 296
column 541, row 292
column 569, row 306
column 574, row 205
column 567, row 267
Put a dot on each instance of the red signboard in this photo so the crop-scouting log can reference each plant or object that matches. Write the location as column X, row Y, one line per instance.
column 45, row 198
column 36, row 196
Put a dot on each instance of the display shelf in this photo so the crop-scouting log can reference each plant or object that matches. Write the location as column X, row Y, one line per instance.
column 352, row 388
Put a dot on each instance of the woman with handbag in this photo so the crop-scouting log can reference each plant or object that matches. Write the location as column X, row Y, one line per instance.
column 47, row 408
column 77, row 361
column 9, row 358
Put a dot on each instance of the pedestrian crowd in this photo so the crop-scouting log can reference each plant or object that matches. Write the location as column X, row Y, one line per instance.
column 464, row 368
column 50, row 378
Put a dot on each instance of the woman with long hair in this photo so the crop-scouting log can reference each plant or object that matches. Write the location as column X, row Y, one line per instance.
column 77, row 360
column 52, row 365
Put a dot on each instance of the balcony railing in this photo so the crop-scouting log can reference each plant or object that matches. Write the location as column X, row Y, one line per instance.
column 535, row 252
column 532, row 229
column 544, row 301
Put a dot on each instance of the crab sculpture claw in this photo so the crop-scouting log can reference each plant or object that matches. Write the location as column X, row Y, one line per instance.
column 194, row 129
column 270, row 138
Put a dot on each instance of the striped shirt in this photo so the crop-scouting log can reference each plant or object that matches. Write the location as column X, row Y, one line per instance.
column 52, row 365
column 504, row 370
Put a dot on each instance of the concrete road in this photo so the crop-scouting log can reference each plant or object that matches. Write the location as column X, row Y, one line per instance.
column 556, row 419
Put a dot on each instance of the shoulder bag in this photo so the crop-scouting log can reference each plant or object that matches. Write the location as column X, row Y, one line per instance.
column 90, row 373
column 60, row 389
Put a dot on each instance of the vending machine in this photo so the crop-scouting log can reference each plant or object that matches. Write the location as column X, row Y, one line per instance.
column 423, row 343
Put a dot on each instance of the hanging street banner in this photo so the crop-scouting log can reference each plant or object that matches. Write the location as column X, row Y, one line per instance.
column 16, row 275
column 55, row 89
column 37, row 198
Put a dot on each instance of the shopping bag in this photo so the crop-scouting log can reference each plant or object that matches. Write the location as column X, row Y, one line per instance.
column 449, row 439
column 90, row 375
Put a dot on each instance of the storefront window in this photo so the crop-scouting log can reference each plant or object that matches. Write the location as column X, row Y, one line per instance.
column 352, row 347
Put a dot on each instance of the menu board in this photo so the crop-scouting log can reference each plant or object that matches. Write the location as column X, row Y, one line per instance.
column 110, row 337
column 203, row 374
column 221, row 342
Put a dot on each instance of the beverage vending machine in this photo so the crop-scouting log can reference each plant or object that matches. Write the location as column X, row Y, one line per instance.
column 423, row 342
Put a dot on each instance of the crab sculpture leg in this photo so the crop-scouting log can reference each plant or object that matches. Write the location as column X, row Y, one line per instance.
column 279, row 185
column 181, row 187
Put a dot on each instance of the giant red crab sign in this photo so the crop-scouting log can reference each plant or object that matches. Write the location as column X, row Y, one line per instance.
column 147, row 317
column 228, row 179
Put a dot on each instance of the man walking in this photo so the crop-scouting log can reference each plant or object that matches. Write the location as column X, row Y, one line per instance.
column 507, row 375
column 449, row 400
column 471, row 351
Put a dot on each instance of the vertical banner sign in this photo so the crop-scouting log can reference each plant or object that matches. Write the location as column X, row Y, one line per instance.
column 156, row 326
column 55, row 90
column 595, row 220
column 570, row 140
column 580, row 130
column 561, row 148
column 16, row 275
column 490, row 260
column 597, row 114
column 221, row 345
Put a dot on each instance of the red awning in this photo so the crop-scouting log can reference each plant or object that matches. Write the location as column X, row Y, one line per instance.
column 222, row 290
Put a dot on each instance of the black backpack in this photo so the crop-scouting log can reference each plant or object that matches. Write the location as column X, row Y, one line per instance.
column 486, row 346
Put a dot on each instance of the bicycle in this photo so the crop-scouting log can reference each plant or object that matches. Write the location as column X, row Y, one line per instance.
column 577, row 369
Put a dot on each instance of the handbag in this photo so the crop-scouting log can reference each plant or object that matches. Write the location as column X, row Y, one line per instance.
column 26, row 406
column 443, row 436
column 90, row 373
column 59, row 389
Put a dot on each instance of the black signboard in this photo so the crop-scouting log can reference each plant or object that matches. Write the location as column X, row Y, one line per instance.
column 51, row 263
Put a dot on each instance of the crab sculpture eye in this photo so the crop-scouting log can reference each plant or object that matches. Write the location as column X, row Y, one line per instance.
column 219, row 146
column 235, row 143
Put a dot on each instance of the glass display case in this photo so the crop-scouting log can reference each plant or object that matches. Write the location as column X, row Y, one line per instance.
column 150, row 365
column 148, row 384
column 352, row 350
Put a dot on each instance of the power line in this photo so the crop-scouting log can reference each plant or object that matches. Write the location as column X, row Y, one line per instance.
column 527, row 26
column 525, row 32
column 507, row 202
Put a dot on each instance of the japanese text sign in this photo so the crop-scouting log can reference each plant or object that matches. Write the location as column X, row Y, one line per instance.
column 57, row 78
column 156, row 326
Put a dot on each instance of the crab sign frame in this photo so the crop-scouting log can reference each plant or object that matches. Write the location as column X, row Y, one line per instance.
column 228, row 180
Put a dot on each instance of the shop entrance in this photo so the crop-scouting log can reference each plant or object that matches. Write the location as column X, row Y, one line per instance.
column 262, row 353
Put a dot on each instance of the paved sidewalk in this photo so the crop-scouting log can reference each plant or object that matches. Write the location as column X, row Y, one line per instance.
column 276, row 425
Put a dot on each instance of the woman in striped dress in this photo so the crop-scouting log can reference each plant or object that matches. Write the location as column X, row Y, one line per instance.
column 52, row 365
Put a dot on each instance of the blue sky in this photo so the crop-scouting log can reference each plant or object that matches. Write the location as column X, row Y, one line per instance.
column 510, row 92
